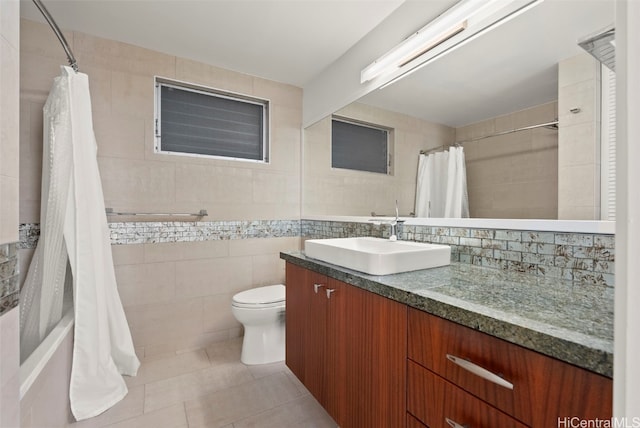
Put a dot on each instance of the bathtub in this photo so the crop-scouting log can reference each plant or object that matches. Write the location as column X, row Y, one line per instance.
column 44, row 378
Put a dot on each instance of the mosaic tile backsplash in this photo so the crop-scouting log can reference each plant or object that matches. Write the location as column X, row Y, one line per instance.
column 9, row 287
column 181, row 231
column 578, row 257
column 583, row 258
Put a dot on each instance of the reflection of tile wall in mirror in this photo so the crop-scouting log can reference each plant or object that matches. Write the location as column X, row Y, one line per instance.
column 513, row 175
column 579, row 149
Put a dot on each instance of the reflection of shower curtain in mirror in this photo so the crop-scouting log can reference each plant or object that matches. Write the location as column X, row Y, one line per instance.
column 441, row 190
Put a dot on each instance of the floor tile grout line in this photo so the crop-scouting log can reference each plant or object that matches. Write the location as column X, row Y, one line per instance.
column 227, row 387
column 186, row 415
column 188, row 372
column 271, row 409
column 244, row 384
column 144, row 397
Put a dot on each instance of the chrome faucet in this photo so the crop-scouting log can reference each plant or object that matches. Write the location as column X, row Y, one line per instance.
column 394, row 225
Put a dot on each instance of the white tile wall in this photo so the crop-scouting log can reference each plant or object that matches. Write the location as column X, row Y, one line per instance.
column 9, row 151
column 9, row 368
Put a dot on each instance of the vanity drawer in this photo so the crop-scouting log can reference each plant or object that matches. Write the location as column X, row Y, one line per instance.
column 440, row 404
column 529, row 386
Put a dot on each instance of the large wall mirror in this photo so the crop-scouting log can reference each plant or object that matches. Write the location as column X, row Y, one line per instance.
column 528, row 105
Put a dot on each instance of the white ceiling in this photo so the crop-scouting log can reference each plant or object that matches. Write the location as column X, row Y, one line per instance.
column 507, row 69
column 287, row 41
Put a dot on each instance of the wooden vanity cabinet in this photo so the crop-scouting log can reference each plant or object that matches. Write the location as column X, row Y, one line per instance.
column 348, row 347
column 373, row 362
column 543, row 388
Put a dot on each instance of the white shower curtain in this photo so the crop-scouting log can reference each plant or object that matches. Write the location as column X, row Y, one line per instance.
column 441, row 189
column 74, row 249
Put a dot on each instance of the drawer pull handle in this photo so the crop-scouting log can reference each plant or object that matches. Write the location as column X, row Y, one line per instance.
column 454, row 424
column 329, row 291
column 316, row 287
column 479, row 371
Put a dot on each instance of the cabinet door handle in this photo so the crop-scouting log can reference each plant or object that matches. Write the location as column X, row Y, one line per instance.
column 454, row 424
column 329, row 291
column 480, row 371
column 316, row 287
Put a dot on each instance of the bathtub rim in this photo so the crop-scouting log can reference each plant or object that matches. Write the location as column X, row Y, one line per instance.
column 31, row 368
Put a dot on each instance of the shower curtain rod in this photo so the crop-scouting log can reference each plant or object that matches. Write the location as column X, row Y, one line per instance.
column 437, row 149
column 553, row 125
column 52, row 23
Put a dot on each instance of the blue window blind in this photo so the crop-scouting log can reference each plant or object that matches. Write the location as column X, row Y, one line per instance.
column 359, row 147
column 195, row 121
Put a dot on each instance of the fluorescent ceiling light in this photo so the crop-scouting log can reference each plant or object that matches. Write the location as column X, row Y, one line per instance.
column 441, row 38
column 451, row 23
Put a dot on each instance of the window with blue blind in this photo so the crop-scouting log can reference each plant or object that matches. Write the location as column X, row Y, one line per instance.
column 359, row 146
column 197, row 121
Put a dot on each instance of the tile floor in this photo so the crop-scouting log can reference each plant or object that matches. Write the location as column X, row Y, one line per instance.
column 212, row 388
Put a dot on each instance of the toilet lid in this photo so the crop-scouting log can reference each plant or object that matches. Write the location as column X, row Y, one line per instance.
column 261, row 295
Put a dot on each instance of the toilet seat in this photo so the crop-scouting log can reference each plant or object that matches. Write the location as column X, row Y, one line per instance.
column 260, row 298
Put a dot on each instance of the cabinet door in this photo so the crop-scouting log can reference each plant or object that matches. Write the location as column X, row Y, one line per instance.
column 306, row 326
column 315, row 337
column 367, row 358
column 297, row 301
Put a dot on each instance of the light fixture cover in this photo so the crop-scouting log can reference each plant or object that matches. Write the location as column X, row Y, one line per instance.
column 446, row 26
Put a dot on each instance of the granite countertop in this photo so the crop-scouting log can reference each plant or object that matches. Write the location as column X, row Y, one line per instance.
column 558, row 318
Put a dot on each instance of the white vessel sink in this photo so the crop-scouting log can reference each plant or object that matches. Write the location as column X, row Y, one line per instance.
column 377, row 256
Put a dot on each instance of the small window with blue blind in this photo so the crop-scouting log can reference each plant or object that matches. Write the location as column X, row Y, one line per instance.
column 359, row 146
column 196, row 121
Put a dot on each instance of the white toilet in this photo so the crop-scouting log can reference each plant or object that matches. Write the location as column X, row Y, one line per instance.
column 261, row 311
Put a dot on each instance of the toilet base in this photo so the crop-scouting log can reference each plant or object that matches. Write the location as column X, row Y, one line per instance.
column 263, row 345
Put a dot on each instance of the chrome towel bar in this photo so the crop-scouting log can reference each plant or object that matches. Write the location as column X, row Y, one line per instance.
column 201, row 213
